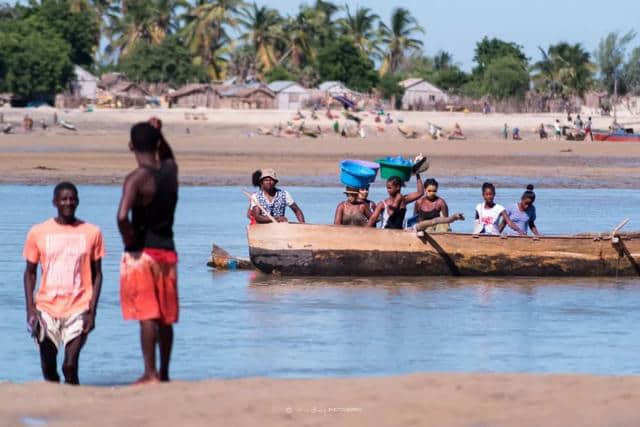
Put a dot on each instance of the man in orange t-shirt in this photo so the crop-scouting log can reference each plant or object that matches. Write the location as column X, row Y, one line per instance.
column 63, row 312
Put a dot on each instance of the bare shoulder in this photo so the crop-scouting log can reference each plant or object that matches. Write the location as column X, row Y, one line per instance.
column 136, row 176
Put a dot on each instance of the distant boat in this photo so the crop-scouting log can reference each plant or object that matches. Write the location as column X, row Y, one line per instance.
column 334, row 250
column 616, row 136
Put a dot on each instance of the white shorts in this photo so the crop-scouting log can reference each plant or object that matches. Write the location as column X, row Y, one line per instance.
column 60, row 330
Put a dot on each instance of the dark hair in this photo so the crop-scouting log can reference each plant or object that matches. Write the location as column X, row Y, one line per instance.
column 529, row 194
column 145, row 137
column 430, row 181
column 65, row 185
column 488, row 185
column 395, row 181
column 255, row 178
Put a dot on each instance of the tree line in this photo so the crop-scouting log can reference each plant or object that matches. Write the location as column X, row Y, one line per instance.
column 180, row 41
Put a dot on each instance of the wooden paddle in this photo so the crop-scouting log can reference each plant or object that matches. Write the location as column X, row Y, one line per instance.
column 252, row 197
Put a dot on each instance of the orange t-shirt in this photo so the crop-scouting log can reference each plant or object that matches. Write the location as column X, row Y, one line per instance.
column 65, row 253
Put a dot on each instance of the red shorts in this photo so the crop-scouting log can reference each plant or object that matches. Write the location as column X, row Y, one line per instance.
column 149, row 286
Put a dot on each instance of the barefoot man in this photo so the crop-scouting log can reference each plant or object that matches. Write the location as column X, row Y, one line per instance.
column 69, row 252
column 148, row 279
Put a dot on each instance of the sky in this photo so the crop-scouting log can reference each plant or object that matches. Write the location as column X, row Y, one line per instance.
column 457, row 25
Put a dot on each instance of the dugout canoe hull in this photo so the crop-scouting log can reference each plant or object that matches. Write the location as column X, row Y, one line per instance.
column 329, row 250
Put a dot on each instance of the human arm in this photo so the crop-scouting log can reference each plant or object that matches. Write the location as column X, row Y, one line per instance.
column 412, row 197
column 337, row 218
column 510, row 223
column 90, row 316
column 29, row 280
column 445, row 208
column 373, row 219
column 439, row 220
column 260, row 217
column 296, row 210
column 534, row 229
column 164, row 150
column 130, row 190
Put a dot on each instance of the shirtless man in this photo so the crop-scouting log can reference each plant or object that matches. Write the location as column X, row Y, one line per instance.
column 148, row 279
column 63, row 312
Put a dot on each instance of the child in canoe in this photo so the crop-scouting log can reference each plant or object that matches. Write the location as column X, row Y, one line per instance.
column 353, row 211
column 394, row 208
column 489, row 213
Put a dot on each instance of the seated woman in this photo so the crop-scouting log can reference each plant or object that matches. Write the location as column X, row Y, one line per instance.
column 354, row 211
column 489, row 213
column 431, row 207
column 523, row 213
column 270, row 199
column 394, row 208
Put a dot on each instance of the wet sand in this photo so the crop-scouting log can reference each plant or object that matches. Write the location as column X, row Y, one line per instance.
column 413, row 400
column 225, row 149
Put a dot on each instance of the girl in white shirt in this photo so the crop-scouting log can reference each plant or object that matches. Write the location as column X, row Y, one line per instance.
column 489, row 213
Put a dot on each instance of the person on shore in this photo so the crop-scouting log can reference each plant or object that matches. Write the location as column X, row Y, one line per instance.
column 558, row 130
column 431, row 205
column 353, row 211
column 523, row 213
column 148, row 268
column 516, row 134
column 394, row 208
column 270, row 199
column 587, row 129
column 542, row 132
column 505, row 131
column 489, row 213
column 63, row 312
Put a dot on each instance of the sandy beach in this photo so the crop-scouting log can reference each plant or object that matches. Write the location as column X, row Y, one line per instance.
column 225, row 148
column 414, row 400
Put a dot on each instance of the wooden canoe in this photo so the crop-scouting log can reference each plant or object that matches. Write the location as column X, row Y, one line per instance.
column 615, row 136
column 329, row 250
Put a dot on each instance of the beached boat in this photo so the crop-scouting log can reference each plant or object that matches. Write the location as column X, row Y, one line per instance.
column 329, row 250
column 615, row 136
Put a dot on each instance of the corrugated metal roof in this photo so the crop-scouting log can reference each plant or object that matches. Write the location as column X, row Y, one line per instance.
column 410, row 83
column 330, row 84
column 280, row 85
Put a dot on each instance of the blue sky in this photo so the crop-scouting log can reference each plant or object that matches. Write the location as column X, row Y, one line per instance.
column 456, row 26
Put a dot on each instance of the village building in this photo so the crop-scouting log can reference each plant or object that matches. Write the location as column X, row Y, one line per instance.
column 108, row 80
column 289, row 95
column 333, row 88
column 195, row 95
column 419, row 94
column 84, row 84
column 253, row 96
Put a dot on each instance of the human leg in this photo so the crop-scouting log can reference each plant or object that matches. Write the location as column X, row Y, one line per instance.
column 148, row 340
column 71, row 357
column 165, row 335
column 48, row 360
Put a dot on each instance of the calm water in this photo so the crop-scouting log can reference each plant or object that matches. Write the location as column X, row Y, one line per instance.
column 240, row 324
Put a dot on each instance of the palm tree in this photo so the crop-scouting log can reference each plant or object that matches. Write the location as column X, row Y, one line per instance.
column 564, row 70
column 263, row 32
column 205, row 33
column 148, row 21
column 360, row 28
column 442, row 60
column 298, row 41
column 399, row 38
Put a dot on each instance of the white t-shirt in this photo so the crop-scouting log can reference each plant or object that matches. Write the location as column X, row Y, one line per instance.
column 488, row 219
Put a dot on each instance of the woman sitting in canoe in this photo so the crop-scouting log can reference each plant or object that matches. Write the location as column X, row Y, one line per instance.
column 432, row 206
column 270, row 199
column 354, row 211
column 489, row 213
column 394, row 208
column 523, row 213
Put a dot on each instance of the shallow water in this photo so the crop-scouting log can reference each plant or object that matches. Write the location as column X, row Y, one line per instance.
column 240, row 324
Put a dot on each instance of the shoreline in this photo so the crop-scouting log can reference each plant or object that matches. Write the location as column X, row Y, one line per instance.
column 443, row 399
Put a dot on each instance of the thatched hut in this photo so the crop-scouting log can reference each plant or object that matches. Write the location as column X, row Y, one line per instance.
column 257, row 96
column 195, row 95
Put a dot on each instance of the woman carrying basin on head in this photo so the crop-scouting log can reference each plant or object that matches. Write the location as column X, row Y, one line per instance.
column 354, row 211
column 271, row 200
column 394, row 208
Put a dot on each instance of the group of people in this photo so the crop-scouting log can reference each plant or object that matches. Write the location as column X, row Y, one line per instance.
column 62, row 311
column 573, row 129
column 430, row 212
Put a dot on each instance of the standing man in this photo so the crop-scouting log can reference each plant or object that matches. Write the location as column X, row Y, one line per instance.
column 69, row 252
column 148, row 274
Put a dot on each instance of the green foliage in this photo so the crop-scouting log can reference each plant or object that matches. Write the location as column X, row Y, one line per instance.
column 33, row 64
column 631, row 73
column 389, row 87
column 168, row 62
column 564, row 70
column 79, row 29
column 610, row 57
column 344, row 62
column 506, row 77
column 279, row 73
column 451, row 79
column 488, row 50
